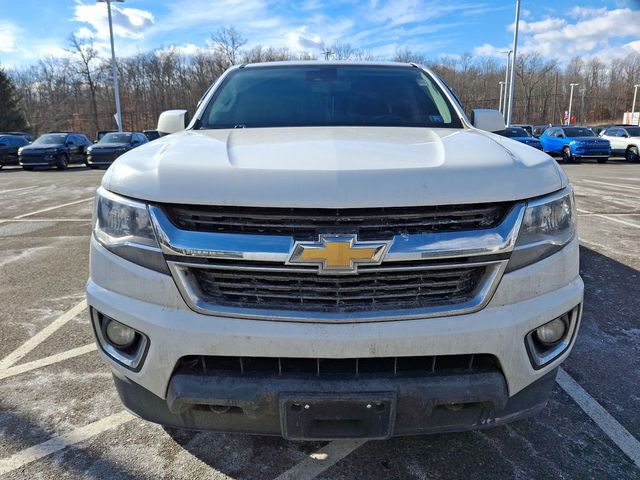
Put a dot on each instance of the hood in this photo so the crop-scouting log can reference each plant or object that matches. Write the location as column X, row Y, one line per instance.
column 43, row 147
column 111, row 146
column 333, row 167
column 593, row 140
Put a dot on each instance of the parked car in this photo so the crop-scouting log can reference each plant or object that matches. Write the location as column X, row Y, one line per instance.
column 523, row 136
column 55, row 149
column 334, row 250
column 151, row 134
column 29, row 136
column 528, row 128
column 9, row 146
column 102, row 133
column 625, row 141
column 539, row 129
column 574, row 143
column 111, row 146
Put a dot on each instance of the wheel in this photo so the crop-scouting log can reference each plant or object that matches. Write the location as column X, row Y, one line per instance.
column 603, row 160
column 566, row 155
column 63, row 162
column 632, row 154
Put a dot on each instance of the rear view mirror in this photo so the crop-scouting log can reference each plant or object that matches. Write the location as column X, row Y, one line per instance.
column 488, row 120
column 172, row 121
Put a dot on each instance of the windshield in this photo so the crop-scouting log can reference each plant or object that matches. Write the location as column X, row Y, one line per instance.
column 633, row 132
column 312, row 95
column 578, row 132
column 51, row 139
column 116, row 138
column 515, row 132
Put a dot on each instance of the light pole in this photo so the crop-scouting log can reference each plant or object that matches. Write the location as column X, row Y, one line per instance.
column 506, row 83
column 114, row 67
column 572, row 85
column 513, row 64
column 500, row 101
column 633, row 105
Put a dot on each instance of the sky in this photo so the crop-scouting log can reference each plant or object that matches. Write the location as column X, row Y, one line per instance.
column 560, row 29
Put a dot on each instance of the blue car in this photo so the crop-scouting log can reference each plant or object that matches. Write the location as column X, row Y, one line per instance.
column 521, row 135
column 574, row 143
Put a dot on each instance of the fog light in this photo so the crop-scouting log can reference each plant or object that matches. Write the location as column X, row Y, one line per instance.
column 120, row 335
column 551, row 332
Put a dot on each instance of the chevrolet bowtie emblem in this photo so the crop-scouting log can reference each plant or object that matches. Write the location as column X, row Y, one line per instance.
column 336, row 254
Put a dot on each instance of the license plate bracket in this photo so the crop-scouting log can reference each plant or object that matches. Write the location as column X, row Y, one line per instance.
column 323, row 416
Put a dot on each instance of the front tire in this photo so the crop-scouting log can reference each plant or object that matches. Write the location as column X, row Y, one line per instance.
column 632, row 154
column 63, row 162
column 566, row 155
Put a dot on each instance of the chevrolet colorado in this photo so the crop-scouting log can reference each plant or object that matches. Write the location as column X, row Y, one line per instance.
column 334, row 250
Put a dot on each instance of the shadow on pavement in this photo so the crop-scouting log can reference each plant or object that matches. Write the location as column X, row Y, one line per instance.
column 20, row 432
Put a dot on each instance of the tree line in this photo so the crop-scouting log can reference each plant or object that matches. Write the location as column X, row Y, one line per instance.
column 76, row 92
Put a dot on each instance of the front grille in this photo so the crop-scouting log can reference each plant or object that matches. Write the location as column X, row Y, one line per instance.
column 308, row 223
column 383, row 289
column 330, row 367
column 104, row 157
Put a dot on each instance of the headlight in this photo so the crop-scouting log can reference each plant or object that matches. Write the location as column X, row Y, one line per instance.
column 20, row 151
column 123, row 226
column 89, row 149
column 549, row 223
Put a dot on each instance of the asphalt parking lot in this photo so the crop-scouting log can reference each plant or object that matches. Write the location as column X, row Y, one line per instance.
column 60, row 416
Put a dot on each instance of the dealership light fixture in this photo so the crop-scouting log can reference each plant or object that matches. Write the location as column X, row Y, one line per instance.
column 114, row 67
column 633, row 105
column 513, row 64
column 572, row 85
column 506, row 84
column 502, row 84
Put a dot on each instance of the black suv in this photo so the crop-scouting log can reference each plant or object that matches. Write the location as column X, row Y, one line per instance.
column 55, row 149
column 111, row 146
column 9, row 146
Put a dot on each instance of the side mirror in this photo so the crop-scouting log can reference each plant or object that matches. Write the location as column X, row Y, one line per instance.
column 172, row 121
column 488, row 120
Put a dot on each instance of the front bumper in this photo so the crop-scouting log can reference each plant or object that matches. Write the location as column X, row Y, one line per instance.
column 357, row 409
column 102, row 158
column 38, row 161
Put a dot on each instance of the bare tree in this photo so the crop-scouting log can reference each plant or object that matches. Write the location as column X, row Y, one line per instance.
column 86, row 66
column 228, row 42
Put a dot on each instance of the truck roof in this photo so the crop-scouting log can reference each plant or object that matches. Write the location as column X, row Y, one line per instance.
column 325, row 63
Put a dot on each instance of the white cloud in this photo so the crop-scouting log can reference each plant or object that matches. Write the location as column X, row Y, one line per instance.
column 187, row 49
column 590, row 33
column 127, row 22
column 8, row 35
column 488, row 50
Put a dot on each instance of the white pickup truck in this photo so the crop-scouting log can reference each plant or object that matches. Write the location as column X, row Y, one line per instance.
column 333, row 250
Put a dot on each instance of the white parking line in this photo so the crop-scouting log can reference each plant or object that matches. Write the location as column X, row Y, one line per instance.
column 609, row 217
column 60, row 442
column 616, row 185
column 609, row 425
column 45, row 362
column 614, row 219
column 48, row 209
column 28, row 220
column 321, row 460
column 41, row 336
column 18, row 189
